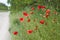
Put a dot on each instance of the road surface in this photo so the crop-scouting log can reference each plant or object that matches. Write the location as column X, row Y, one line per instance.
column 4, row 26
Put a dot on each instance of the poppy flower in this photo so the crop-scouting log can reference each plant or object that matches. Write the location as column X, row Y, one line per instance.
column 33, row 8
column 28, row 20
column 48, row 11
column 43, row 7
column 15, row 33
column 21, row 19
column 25, row 14
column 39, row 7
column 47, row 14
column 29, row 31
column 42, row 21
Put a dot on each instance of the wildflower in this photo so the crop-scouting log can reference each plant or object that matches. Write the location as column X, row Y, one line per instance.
column 21, row 19
column 39, row 7
column 48, row 11
column 42, row 21
column 25, row 14
column 47, row 14
column 29, row 31
column 28, row 20
column 15, row 33
column 33, row 8
column 43, row 7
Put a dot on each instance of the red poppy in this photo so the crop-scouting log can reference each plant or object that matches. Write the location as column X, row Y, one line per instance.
column 33, row 8
column 42, row 21
column 29, row 31
column 47, row 14
column 39, row 7
column 48, row 11
column 43, row 7
column 21, row 19
column 15, row 33
column 28, row 20
column 25, row 14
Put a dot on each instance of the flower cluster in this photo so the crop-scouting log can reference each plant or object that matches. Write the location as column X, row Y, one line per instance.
column 42, row 21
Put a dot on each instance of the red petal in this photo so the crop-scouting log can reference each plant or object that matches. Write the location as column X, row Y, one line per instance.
column 42, row 21
column 48, row 11
column 29, row 31
column 42, row 6
column 28, row 20
column 21, row 19
column 33, row 8
column 25, row 14
column 47, row 14
column 39, row 7
column 15, row 33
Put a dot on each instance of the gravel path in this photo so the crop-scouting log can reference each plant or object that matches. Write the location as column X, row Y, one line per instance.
column 4, row 26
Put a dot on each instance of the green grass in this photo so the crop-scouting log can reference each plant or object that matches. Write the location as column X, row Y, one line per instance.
column 3, row 10
column 44, row 32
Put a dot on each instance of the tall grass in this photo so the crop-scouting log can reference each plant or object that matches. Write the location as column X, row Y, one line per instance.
column 49, row 31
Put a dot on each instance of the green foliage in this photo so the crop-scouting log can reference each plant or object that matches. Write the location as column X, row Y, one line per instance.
column 44, row 32
column 17, row 5
column 3, row 7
